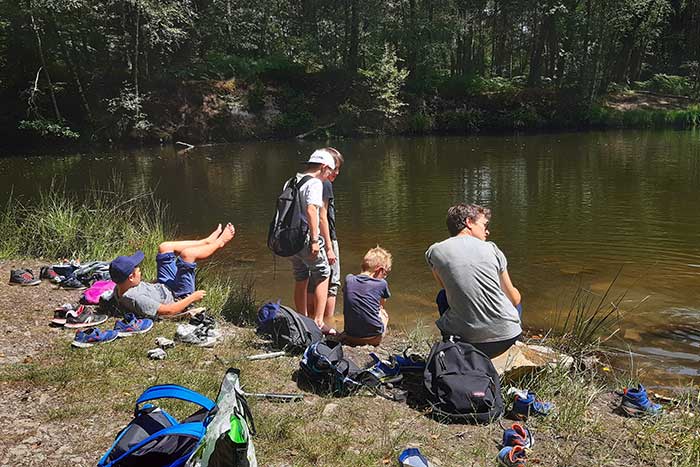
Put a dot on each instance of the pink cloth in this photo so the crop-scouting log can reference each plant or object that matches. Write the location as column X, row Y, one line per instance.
column 92, row 295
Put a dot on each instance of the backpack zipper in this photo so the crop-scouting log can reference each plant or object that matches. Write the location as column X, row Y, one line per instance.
column 441, row 360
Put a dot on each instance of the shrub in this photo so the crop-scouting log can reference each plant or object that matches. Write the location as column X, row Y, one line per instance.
column 461, row 120
column 419, row 123
column 667, row 84
column 382, row 79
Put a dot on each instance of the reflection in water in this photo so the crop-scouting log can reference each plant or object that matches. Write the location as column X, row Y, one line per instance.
column 567, row 208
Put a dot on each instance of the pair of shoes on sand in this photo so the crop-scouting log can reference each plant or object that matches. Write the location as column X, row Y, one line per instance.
column 517, row 440
column 127, row 326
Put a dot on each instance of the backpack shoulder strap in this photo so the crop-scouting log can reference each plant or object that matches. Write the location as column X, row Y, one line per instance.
column 192, row 430
column 303, row 180
column 173, row 391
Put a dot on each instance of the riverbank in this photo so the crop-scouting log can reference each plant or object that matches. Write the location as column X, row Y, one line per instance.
column 320, row 107
column 63, row 406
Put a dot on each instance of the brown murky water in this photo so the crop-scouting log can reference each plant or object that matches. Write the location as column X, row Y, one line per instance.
column 568, row 208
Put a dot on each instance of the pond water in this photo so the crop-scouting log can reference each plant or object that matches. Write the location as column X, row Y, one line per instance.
column 569, row 209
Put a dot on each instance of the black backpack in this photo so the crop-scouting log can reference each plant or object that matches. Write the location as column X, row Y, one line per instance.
column 288, row 230
column 326, row 368
column 462, row 383
column 293, row 332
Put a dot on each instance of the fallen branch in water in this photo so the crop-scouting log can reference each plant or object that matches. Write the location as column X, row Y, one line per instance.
column 188, row 146
column 308, row 133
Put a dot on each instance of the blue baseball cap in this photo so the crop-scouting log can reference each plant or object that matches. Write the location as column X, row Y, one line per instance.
column 122, row 266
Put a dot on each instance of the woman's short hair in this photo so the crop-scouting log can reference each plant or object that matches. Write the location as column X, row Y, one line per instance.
column 457, row 216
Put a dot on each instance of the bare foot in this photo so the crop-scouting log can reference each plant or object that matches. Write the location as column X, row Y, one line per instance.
column 227, row 234
column 214, row 235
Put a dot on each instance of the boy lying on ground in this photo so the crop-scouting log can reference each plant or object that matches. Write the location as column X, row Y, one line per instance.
column 175, row 289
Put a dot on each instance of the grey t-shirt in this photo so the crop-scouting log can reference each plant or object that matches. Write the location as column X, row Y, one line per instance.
column 145, row 298
column 479, row 310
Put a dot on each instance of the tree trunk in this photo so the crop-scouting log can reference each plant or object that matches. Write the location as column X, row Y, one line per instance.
column 72, row 68
column 136, row 64
column 40, row 48
column 353, row 49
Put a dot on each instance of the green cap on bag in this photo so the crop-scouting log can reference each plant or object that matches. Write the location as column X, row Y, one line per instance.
column 237, row 432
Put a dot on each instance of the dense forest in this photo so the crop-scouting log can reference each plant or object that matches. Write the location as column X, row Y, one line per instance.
column 159, row 70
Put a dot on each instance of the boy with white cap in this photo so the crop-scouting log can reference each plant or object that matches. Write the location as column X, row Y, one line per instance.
column 310, row 265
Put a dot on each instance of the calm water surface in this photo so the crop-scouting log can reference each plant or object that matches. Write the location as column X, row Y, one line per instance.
column 567, row 209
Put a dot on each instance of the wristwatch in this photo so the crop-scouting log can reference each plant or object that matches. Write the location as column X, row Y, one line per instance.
column 314, row 240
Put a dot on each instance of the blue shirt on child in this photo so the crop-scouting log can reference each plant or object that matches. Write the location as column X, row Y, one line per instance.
column 362, row 300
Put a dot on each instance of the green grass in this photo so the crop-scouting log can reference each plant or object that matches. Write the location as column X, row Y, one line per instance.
column 89, row 226
column 644, row 118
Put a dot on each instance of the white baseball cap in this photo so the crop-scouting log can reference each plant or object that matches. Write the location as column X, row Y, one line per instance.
column 321, row 156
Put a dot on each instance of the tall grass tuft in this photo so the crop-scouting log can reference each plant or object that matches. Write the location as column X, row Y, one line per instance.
column 97, row 225
column 590, row 320
column 232, row 299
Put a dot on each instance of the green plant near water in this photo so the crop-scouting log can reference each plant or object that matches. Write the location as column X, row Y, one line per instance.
column 89, row 226
column 589, row 320
column 232, row 299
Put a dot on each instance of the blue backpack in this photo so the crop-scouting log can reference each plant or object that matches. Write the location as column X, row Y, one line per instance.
column 328, row 371
column 289, row 330
column 156, row 438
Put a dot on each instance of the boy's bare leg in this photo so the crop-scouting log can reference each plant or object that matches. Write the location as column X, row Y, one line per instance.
column 321, row 296
column 176, row 246
column 330, row 310
column 310, row 303
column 194, row 253
column 300, row 296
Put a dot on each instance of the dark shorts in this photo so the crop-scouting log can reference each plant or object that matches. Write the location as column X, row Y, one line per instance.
column 176, row 274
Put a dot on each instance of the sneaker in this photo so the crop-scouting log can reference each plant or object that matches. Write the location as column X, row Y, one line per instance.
column 23, row 277
column 91, row 336
column 518, row 435
column 59, row 314
column 412, row 363
column 523, row 407
column 47, row 272
column 71, row 283
column 380, row 373
column 83, row 317
column 203, row 319
column 195, row 335
column 412, row 457
column 635, row 403
column 389, row 369
column 512, row 456
column 130, row 325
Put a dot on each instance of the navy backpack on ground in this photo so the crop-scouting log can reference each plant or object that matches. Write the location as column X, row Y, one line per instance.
column 462, row 383
column 328, row 371
column 288, row 229
column 290, row 331
column 156, row 438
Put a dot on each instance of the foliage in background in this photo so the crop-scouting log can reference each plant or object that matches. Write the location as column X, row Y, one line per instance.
column 668, row 84
column 92, row 67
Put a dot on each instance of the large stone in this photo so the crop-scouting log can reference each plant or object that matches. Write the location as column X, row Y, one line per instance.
column 522, row 359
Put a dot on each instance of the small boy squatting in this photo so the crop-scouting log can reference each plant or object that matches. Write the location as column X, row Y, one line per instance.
column 176, row 263
column 364, row 295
